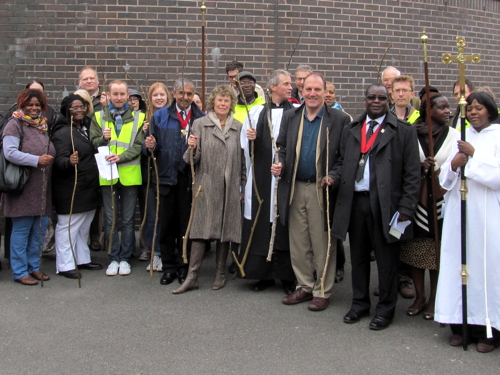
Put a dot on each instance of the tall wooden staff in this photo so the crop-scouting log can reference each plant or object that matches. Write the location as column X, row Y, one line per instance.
column 329, row 246
column 44, row 203
column 112, row 190
column 461, row 59
column 432, row 171
column 203, row 11
column 277, row 178
column 71, row 206
column 241, row 265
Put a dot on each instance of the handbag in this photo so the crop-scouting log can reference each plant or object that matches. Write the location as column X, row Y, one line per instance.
column 13, row 177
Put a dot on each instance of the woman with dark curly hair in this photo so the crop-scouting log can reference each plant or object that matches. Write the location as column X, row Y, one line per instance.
column 221, row 173
column 30, row 210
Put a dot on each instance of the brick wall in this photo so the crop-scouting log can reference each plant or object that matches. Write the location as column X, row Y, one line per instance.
column 345, row 40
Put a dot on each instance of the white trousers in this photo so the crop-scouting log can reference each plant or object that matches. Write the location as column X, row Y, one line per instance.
column 80, row 227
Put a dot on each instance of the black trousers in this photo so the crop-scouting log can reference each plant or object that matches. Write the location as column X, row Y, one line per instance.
column 175, row 208
column 365, row 234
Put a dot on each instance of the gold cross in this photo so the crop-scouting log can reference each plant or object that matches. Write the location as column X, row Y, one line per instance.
column 461, row 58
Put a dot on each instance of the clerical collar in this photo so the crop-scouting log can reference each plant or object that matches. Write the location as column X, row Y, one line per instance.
column 186, row 111
column 281, row 105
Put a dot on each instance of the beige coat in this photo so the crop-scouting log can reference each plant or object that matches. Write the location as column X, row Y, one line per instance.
column 220, row 170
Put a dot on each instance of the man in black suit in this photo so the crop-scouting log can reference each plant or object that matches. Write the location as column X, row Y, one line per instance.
column 377, row 174
column 301, row 197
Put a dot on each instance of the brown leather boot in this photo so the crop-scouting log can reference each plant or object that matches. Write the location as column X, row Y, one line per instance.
column 195, row 260
column 220, row 265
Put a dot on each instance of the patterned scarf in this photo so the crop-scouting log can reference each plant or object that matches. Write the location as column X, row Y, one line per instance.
column 117, row 115
column 40, row 123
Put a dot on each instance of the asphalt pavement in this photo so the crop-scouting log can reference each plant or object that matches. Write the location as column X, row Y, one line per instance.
column 133, row 325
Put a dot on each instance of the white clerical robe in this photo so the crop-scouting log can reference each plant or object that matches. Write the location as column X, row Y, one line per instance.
column 276, row 114
column 483, row 234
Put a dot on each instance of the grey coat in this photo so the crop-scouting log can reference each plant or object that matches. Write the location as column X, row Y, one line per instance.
column 394, row 173
column 220, row 170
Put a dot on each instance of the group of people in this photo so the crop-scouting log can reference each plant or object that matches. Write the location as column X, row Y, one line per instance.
column 277, row 180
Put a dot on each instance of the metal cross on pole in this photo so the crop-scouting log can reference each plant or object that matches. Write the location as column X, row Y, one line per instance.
column 462, row 58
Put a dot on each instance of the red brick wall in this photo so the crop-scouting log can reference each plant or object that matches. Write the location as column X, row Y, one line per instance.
column 52, row 39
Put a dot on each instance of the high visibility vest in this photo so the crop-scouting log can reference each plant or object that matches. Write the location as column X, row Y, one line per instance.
column 130, row 172
column 413, row 117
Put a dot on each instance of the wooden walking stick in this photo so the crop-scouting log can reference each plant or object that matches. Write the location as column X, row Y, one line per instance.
column 157, row 213
column 241, row 265
column 277, row 178
column 203, row 11
column 461, row 59
column 44, row 203
column 71, row 205
column 113, row 209
column 424, row 38
column 329, row 247
column 382, row 61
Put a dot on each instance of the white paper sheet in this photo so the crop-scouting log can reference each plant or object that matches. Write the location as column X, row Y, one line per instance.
column 105, row 171
column 398, row 228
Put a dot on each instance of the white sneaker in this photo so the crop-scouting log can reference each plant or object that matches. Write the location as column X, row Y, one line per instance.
column 124, row 268
column 112, row 268
column 157, row 264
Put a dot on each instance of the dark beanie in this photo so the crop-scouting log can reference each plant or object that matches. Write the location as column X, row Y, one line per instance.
column 66, row 103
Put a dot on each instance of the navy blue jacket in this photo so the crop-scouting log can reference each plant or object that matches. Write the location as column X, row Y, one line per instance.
column 170, row 143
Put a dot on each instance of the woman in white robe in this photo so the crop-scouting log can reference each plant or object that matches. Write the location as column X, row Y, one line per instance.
column 481, row 156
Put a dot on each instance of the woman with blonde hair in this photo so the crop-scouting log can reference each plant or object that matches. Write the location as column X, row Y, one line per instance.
column 220, row 171
column 158, row 97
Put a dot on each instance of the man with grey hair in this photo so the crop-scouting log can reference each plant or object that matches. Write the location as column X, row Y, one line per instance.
column 301, row 74
column 388, row 74
column 256, row 267
column 170, row 128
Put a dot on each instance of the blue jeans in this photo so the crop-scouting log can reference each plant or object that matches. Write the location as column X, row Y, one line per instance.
column 26, row 244
column 126, row 196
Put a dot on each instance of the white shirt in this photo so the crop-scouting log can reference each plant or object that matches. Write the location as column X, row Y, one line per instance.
column 364, row 183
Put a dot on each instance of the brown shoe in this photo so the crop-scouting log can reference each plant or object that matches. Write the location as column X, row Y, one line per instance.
column 27, row 280
column 145, row 256
column 318, row 304
column 300, row 295
column 406, row 287
column 482, row 347
column 38, row 276
column 456, row 340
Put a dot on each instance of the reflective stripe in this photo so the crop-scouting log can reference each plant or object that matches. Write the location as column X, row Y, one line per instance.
column 124, row 145
column 131, row 162
column 113, row 143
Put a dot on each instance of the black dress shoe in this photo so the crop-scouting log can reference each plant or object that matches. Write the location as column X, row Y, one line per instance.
column 354, row 316
column 339, row 275
column 261, row 285
column 288, row 286
column 167, row 278
column 182, row 276
column 90, row 266
column 71, row 274
column 379, row 322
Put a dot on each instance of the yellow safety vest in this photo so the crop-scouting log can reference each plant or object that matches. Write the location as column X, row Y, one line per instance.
column 413, row 117
column 130, row 172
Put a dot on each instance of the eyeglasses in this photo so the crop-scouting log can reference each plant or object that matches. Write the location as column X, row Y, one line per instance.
column 232, row 77
column 247, row 83
column 402, row 91
column 382, row 98
column 133, row 99
column 83, row 108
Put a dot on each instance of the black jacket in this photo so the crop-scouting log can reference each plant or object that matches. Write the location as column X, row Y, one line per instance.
column 394, row 173
column 87, row 195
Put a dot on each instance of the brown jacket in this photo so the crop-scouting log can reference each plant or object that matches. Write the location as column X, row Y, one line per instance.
column 220, row 170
